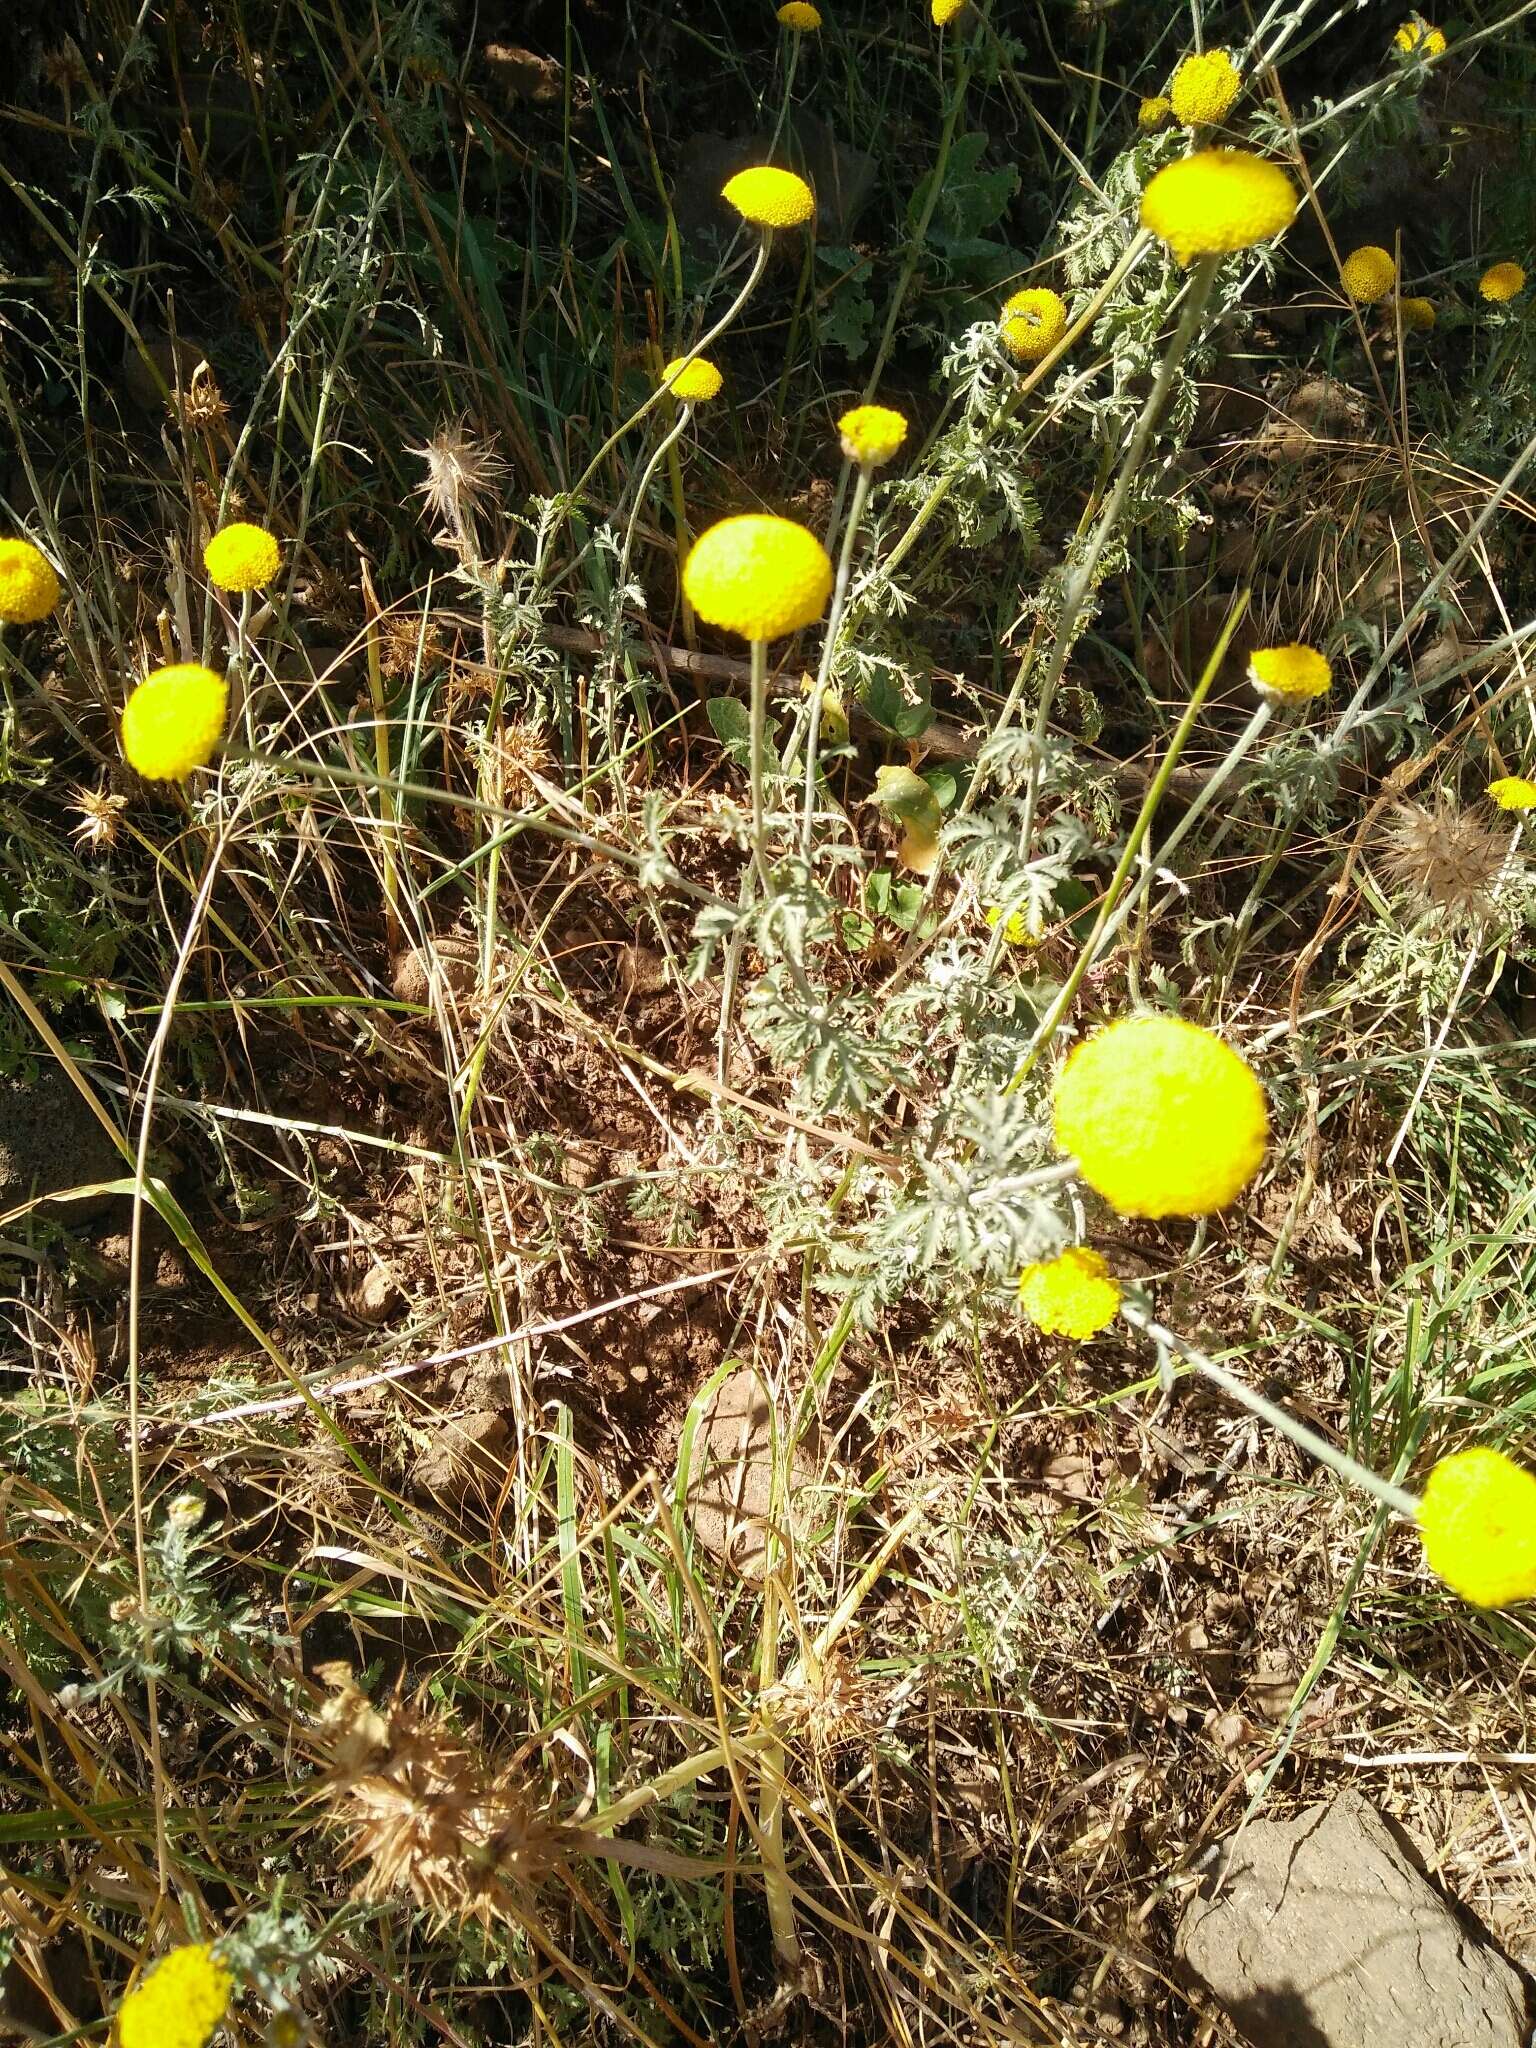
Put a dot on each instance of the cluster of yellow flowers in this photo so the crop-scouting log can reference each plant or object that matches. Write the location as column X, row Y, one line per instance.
column 1204, row 87
column 1513, row 793
column 1416, row 38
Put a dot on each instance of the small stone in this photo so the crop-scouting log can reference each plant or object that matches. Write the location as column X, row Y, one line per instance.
column 375, row 1294
column 1321, row 1932
column 449, row 964
column 465, row 1457
column 730, row 1479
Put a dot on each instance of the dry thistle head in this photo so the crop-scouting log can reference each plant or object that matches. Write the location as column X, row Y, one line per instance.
column 405, row 637
column 101, row 814
column 202, row 403
column 462, row 469
column 521, row 755
column 1446, row 860
column 826, row 1701
column 428, row 1814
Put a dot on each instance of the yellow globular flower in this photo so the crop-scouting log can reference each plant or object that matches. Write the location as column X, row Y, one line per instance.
column 1416, row 38
column 1204, row 87
column 871, row 434
column 945, row 11
column 758, row 575
column 179, row 2004
column 1216, row 201
column 769, row 197
column 692, row 379
column 1501, row 281
column 1154, row 113
column 1162, row 1117
column 1513, row 793
column 1417, row 315
column 1289, row 674
column 174, row 720
column 1477, row 1522
column 1368, row 274
column 29, row 589
column 800, row 16
column 1070, row 1296
column 242, row 557
column 1032, row 323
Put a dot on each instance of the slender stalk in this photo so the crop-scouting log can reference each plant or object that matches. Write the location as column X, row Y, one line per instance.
column 828, row 649
column 1395, row 1497
column 919, row 240
column 757, row 737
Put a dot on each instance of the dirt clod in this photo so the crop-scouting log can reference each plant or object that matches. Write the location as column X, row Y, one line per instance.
column 1320, row 1932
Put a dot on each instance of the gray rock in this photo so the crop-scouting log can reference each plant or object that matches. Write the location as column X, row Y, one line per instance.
column 49, row 1140
column 1321, row 1932
column 730, row 1478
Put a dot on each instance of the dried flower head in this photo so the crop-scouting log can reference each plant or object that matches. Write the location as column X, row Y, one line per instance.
column 1032, row 322
column 1443, row 859
column 201, row 402
column 1071, row 1296
column 1204, row 87
column 1162, row 1117
column 872, row 434
column 1217, row 201
column 463, row 469
column 29, row 589
column 179, row 2003
column 769, row 197
column 1501, row 282
column 406, row 638
column 1368, row 274
column 692, row 379
column 101, row 814
column 1477, row 1522
column 1513, row 793
column 428, row 1814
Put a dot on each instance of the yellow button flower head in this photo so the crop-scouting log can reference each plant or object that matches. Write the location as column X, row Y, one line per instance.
column 871, row 434
column 945, row 11
column 179, row 2004
column 1501, row 281
column 1289, row 674
column 1477, row 1521
column 1417, row 315
column 1204, row 87
column 1162, row 1117
column 1417, row 39
column 1217, row 201
column 1513, row 793
column 758, row 576
column 1368, row 274
column 692, row 378
column 800, row 16
column 1154, row 113
column 1017, row 931
column 769, row 197
column 242, row 557
column 1072, row 1296
column 29, row 590
column 1032, row 323
column 174, row 720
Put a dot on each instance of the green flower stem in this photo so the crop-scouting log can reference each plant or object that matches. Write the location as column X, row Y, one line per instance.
column 1349, row 1469
column 1134, row 252
column 663, row 449
column 919, row 240
column 759, row 264
column 785, row 104
column 1080, row 579
column 1135, row 839
column 757, row 735
column 861, row 489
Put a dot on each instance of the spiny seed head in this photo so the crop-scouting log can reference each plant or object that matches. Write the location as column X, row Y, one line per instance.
column 101, row 815
column 1444, row 859
column 462, row 470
